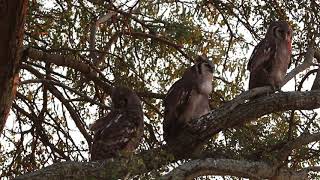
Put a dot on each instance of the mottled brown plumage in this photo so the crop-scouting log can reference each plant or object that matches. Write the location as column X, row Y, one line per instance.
column 119, row 133
column 188, row 98
column 270, row 59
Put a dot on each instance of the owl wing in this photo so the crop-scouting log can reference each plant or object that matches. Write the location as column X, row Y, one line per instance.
column 118, row 135
column 261, row 56
column 104, row 122
column 175, row 102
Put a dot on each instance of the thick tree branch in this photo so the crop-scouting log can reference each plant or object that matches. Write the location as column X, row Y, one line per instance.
column 12, row 17
column 108, row 169
column 239, row 168
column 209, row 166
column 197, row 134
column 200, row 130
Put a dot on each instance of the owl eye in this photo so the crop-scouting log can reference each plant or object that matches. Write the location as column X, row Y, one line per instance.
column 279, row 33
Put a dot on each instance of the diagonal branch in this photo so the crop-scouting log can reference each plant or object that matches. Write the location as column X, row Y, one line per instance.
column 53, row 82
column 209, row 166
column 160, row 39
column 238, row 168
column 197, row 134
column 307, row 63
column 302, row 140
column 199, row 131
column 40, row 130
column 88, row 70
column 74, row 115
column 71, row 61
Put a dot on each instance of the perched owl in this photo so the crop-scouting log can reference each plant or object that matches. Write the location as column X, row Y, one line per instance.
column 270, row 59
column 119, row 133
column 188, row 98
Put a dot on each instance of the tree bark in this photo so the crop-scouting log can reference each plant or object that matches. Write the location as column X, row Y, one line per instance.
column 12, row 18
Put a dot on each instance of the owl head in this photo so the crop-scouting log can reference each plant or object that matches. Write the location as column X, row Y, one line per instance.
column 279, row 30
column 123, row 97
column 203, row 64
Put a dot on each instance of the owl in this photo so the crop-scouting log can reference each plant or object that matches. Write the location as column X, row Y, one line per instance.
column 188, row 98
column 270, row 59
column 119, row 133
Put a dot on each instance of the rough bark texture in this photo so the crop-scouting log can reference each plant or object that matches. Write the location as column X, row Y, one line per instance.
column 202, row 129
column 12, row 16
column 239, row 168
column 108, row 169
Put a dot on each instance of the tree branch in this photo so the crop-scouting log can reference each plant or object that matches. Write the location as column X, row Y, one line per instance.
column 304, row 139
column 107, row 169
column 160, row 39
column 209, row 166
column 239, row 168
column 307, row 63
column 71, row 61
column 12, row 13
column 88, row 70
column 197, row 134
column 41, row 132
column 74, row 115
column 199, row 131
column 53, row 82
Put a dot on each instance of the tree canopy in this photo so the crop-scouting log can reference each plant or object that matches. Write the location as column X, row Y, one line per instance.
column 74, row 51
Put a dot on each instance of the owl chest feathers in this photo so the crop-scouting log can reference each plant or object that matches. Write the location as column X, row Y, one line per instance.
column 205, row 83
column 198, row 104
column 280, row 63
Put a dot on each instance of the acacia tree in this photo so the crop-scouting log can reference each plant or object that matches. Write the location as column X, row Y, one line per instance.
column 75, row 51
